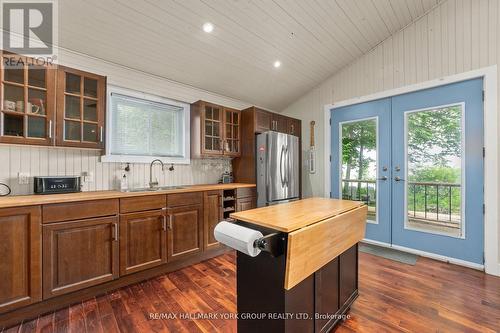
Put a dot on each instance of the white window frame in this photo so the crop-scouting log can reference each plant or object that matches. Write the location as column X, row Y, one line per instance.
column 108, row 157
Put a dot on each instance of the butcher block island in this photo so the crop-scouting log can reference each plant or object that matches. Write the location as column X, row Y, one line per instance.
column 306, row 276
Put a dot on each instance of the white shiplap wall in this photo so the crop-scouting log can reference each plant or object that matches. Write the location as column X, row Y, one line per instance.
column 454, row 37
column 69, row 161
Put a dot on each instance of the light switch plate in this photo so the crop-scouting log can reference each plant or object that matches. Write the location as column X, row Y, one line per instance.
column 23, row 178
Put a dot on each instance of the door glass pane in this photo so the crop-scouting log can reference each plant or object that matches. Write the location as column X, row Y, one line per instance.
column 38, row 101
column 15, row 74
column 208, row 112
column 359, row 163
column 217, row 143
column 13, row 125
column 71, row 130
column 73, row 83
column 216, row 114
column 90, row 110
column 434, row 173
column 208, row 128
column 208, row 143
column 90, row 132
column 36, row 127
column 13, row 98
column 216, row 129
column 72, row 107
column 36, row 76
column 90, row 87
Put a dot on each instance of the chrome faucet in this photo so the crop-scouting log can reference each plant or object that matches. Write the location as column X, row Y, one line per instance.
column 155, row 183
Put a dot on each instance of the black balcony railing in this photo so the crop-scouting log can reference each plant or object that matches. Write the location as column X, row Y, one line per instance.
column 427, row 201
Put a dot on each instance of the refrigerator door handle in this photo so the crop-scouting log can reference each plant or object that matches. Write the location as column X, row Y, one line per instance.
column 288, row 167
column 282, row 178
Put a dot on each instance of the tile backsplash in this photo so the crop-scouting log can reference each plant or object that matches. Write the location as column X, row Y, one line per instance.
column 49, row 161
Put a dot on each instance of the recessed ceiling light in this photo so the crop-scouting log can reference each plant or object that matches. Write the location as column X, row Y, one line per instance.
column 208, row 27
column 277, row 64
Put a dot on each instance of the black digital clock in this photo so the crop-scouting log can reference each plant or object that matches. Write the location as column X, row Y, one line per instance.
column 52, row 185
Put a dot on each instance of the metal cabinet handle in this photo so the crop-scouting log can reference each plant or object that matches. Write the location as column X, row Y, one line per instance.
column 169, row 222
column 293, row 129
column 164, row 223
column 101, row 134
column 50, row 129
column 115, row 232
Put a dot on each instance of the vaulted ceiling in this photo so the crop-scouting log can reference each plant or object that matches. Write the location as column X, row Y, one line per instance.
column 311, row 38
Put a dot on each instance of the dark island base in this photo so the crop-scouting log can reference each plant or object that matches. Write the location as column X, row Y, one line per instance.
column 316, row 304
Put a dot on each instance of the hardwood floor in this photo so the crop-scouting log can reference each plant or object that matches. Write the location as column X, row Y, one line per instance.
column 428, row 297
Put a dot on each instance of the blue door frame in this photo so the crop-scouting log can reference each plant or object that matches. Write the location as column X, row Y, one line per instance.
column 391, row 144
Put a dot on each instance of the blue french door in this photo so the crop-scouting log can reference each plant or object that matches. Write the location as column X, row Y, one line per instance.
column 442, row 212
column 419, row 168
column 361, row 161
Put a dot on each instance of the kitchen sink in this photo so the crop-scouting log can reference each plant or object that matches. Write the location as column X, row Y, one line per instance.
column 154, row 189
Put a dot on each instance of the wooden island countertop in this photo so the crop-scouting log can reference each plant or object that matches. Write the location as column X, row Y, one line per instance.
column 43, row 199
column 291, row 216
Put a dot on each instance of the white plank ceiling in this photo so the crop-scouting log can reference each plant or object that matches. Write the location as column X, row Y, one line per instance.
column 313, row 39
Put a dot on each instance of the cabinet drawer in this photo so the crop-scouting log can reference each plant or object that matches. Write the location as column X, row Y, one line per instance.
column 79, row 210
column 138, row 204
column 245, row 192
column 184, row 199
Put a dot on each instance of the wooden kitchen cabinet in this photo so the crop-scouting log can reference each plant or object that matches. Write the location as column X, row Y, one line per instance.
column 79, row 254
column 348, row 275
column 185, row 231
column 246, row 198
column 262, row 121
column 28, row 101
column 143, row 240
column 215, row 130
column 232, row 122
column 279, row 123
column 80, row 108
column 20, row 248
column 294, row 127
column 212, row 214
column 326, row 281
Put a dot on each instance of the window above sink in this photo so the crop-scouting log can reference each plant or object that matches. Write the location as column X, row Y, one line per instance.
column 144, row 127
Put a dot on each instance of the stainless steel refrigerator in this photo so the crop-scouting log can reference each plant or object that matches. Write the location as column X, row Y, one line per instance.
column 277, row 168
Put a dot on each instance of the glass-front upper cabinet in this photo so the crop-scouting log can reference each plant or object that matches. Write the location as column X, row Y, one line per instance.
column 232, row 132
column 212, row 137
column 27, row 101
column 80, row 108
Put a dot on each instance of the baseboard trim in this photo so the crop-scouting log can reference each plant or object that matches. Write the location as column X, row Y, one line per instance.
column 427, row 255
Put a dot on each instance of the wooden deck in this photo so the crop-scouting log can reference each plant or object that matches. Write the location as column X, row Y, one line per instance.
column 429, row 297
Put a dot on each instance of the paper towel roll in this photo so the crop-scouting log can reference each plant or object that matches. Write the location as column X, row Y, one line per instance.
column 238, row 237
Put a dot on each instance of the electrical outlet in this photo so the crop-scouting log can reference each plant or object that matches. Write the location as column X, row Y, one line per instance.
column 23, row 178
column 88, row 177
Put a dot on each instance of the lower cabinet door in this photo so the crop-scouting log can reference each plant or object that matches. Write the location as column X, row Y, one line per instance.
column 79, row 254
column 185, row 231
column 212, row 214
column 245, row 204
column 326, row 295
column 348, row 273
column 20, row 262
column 143, row 241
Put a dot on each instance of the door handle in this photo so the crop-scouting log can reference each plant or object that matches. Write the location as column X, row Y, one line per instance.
column 164, row 223
column 398, row 179
column 115, row 231
column 382, row 178
column 281, row 165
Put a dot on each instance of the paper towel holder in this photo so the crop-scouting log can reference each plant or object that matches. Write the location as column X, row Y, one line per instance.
column 273, row 243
